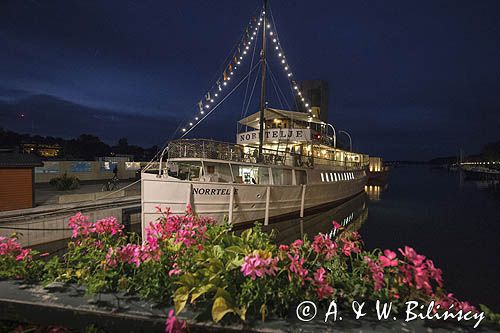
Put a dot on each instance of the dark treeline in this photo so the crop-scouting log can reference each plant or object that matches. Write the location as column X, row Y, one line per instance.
column 85, row 147
column 489, row 152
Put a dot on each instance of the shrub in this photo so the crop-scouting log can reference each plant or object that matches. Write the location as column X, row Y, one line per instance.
column 65, row 183
column 192, row 261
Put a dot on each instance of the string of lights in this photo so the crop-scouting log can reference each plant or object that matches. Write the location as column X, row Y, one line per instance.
column 215, row 94
column 280, row 54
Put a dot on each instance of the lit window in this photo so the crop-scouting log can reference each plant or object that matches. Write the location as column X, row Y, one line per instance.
column 331, row 176
column 327, row 177
column 336, row 179
column 322, row 177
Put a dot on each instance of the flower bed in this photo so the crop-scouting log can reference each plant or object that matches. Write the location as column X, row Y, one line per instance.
column 192, row 261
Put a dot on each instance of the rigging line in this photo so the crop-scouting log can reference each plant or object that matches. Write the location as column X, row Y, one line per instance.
column 248, row 82
column 274, row 86
column 233, row 48
column 251, row 94
column 281, row 45
column 279, row 88
column 273, row 77
column 222, row 101
column 222, row 65
column 163, row 146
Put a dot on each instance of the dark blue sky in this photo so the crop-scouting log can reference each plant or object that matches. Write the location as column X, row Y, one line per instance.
column 408, row 79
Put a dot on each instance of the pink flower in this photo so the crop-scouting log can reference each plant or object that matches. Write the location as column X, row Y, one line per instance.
column 80, row 225
column 297, row 243
column 323, row 289
column 296, row 267
column 173, row 325
column 322, row 244
column 174, row 271
column 283, row 248
column 336, row 226
column 24, row 253
column 388, row 259
column 255, row 266
column 434, row 272
column 108, row 225
column 349, row 247
column 377, row 273
column 410, row 254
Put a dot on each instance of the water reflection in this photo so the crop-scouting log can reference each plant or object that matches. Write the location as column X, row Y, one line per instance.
column 351, row 214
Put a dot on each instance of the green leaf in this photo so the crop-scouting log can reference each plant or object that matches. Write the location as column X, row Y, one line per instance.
column 220, row 308
column 235, row 263
column 235, row 249
column 180, row 298
column 201, row 290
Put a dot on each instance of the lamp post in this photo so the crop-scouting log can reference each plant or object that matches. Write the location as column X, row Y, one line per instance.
column 334, row 135
column 350, row 139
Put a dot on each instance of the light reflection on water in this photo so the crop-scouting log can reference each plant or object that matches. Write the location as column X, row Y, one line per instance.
column 450, row 219
column 351, row 214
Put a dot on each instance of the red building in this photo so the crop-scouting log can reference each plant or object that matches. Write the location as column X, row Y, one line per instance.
column 17, row 180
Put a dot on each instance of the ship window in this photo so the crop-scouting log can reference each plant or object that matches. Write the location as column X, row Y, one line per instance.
column 352, row 175
column 263, row 176
column 185, row 170
column 327, row 177
column 322, row 177
column 336, row 178
column 287, row 177
column 300, row 177
column 217, row 172
column 331, row 176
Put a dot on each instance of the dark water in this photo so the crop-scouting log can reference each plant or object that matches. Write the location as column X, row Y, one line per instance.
column 454, row 222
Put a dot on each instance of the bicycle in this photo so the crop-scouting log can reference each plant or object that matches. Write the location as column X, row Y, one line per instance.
column 110, row 185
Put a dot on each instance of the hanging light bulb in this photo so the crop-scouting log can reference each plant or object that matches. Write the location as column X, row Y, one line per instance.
column 286, row 68
column 302, row 99
column 184, row 130
column 271, row 33
column 211, row 101
column 295, row 87
column 202, row 112
column 196, row 118
column 274, row 40
column 268, row 25
column 190, row 124
column 289, row 74
column 279, row 54
column 307, row 105
column 216, row 94
column 225, row 83
column 207, row 106
column 239, row 63
column 283, row 61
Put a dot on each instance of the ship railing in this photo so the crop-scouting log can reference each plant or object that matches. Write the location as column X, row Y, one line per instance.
column 217, row 150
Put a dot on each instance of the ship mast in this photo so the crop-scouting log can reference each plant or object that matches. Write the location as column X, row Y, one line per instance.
column 263, row 64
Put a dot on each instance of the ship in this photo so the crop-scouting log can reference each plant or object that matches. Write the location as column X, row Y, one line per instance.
column 283, row 163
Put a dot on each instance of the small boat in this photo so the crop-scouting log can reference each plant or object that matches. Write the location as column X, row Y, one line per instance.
column 284, row 163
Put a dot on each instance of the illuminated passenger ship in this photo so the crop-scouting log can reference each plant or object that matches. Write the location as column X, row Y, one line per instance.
column 285, row 163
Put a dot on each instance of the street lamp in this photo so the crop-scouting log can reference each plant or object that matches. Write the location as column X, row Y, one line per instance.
column 350, row 139
column 334, row 135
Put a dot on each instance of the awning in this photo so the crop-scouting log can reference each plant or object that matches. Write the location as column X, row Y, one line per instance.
column 253, row 119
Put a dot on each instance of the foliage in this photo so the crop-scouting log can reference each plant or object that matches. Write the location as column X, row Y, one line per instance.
column 196, row 262
column 18, row 263
column 65, row 183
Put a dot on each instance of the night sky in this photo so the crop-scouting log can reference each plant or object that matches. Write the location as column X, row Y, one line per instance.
column 408, row 79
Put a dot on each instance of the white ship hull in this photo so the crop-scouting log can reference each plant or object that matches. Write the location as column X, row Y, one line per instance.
column 240, row 203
